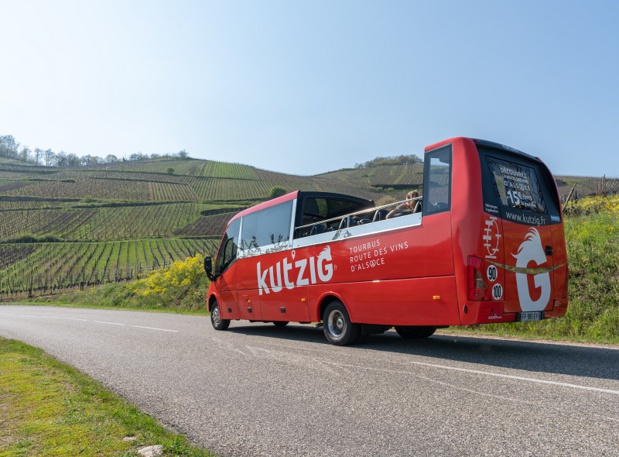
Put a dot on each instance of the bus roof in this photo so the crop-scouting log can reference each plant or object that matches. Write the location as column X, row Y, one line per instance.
column 298, row 194
column 267, row 204
column 476, row 141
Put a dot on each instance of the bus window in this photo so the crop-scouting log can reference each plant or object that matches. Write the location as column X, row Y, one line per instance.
column 228, row 248
column 519, row 187
column 437, row 181
column 266, row 227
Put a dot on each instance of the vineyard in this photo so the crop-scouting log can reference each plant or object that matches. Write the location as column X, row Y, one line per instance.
column 42, row 268
column 382, row 177
column 101, row 223
column 75, row 227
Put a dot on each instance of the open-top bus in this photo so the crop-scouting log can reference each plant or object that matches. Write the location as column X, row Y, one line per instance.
column 487, row 246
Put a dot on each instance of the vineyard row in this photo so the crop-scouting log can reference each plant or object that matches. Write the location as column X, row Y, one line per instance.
column 44, row 268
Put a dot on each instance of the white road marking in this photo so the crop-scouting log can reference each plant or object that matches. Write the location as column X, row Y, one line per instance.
column 155, row 328
column 518, row 378
column 98, row 322
column 110, row 323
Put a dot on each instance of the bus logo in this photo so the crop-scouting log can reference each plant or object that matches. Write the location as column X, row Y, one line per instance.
column 491, row 237
column 531, row 249
column 291, row 273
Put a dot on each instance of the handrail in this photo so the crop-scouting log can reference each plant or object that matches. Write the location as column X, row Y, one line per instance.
column 356, row 213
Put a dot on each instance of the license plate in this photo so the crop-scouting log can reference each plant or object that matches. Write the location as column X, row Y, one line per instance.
column 529, row 316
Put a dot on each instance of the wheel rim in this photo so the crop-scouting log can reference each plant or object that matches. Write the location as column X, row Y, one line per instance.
column 336, row 324
column 215, row 315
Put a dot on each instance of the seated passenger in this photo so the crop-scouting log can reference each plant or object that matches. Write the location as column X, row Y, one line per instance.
column 410, row 206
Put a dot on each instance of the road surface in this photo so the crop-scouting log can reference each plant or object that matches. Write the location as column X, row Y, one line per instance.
column 258, row 390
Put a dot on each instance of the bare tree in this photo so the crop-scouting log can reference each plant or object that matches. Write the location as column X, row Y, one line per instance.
column 24, row 154
column 61, row 159
column 50, row 157
column 8, row 146
column 38, row 153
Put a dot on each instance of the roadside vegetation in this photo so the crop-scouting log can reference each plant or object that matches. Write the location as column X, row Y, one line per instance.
column 180, row 287
column 48, row 408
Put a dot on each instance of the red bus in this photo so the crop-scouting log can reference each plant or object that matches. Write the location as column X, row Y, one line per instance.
column 486, row 245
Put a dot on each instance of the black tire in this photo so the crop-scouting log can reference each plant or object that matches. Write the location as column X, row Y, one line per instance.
column 415, row 333
column 216, row 320
column 337, row 327
column 280, row 323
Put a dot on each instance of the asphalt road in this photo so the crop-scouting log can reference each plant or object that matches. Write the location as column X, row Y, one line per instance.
column 257, row 390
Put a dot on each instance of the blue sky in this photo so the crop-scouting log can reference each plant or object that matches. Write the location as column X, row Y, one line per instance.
column 305, row 87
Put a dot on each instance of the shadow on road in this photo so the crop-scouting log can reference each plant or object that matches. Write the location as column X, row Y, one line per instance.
column 558, row 358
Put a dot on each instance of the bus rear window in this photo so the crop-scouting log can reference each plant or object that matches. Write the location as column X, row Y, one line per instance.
column 517, row 185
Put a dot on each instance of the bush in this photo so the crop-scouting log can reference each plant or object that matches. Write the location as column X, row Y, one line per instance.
column 180, row 286
column 277, row 192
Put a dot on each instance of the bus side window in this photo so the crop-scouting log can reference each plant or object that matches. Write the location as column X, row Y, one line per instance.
column 269, row 226
column 437, row 181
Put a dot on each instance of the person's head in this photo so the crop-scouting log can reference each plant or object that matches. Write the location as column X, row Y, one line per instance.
column 412, row 194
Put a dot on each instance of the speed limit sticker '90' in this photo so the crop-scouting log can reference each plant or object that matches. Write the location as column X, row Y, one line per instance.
column 492, row 272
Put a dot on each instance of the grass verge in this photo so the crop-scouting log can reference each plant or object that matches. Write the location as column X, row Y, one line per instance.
column 48, row 408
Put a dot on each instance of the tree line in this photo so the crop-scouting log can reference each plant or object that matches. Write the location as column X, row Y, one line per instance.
column 12, row 149
column 410, row 159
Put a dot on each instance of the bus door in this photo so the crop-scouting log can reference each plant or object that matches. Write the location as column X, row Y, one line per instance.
column 522, row 206
column 282, row 296
column 264, row 281
column 226, row 272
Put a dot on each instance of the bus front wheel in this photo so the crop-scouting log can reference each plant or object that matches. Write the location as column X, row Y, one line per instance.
column 216, row 320
column 415, row 333
column 338, row 328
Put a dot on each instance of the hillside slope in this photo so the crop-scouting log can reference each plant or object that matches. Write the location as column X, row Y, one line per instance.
column 138, row 199
column 75, row 227
column 68, row 227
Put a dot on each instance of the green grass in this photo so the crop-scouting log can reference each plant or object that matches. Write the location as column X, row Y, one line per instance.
column 48, row 408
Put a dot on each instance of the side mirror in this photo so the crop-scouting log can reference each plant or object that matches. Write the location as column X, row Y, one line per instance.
column 208, row 267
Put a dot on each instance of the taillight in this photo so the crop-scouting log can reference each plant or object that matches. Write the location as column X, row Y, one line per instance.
column 478, row 288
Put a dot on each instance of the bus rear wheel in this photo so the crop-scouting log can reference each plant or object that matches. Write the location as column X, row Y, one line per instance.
column 415, row 333
column 280, row 323
column 216, row 320
column 338, row 328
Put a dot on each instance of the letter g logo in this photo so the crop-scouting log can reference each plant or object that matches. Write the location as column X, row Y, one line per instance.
column 325, row 270
column 530, row 250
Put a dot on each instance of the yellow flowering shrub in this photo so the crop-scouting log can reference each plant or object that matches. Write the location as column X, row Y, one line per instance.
column 594, row 205
column 182, row 284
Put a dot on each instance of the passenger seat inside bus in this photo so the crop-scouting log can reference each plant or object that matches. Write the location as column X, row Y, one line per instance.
column 379, row 215
column 318, row 228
